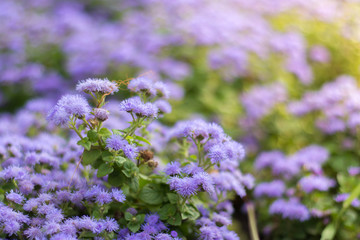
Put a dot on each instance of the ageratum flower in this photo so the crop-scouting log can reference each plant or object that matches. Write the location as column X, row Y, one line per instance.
column 136, row 106
column 67, row 106
column 118, row 195
column 312, row 182
column 163, row 106
column 117, row 143
column 142, row 84
column 291, row 209
column 15, row 197
column 96, row 85
column 173, row 168
column 101, row 114
column 275, row 188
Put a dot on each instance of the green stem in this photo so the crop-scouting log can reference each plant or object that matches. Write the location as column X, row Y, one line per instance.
column 252, row 221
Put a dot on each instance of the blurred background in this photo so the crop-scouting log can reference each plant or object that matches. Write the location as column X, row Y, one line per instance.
column 277, row 75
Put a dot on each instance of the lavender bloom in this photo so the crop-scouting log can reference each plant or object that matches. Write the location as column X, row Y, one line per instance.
column 291, row 209
column 142, row 84
column 11, row 227
column 103, row 197
column 111, row 225
column 267, row 159
column 33, row 233
column 136, row 106
column 101, row 114
column 204, row 180
column 163, row 106
column 320, row 54
column 343, row 196
column 116, row 142
column 275, row 188
column 15, row 197
column 353, row 171
column 173, row 168
column 67, row 106
column 96, row 85
column 131, row 151
column 118, row 195
column 217, row 154
column 261, row 99
column 311, row 183
column 184, row 186
column 161, row 90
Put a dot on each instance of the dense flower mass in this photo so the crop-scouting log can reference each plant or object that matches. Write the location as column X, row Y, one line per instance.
column 105, row 183
column 158, row 156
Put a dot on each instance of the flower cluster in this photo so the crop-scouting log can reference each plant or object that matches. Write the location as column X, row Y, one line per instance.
column 303, row 167
column 108, row 184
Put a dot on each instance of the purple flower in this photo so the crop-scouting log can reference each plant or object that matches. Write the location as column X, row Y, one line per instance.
column 208, row 233
column 353, row 171
column 116, row 142
column 11, row 227
column 67, row 106
column 130, row 151
column 291, row 209
column 135, row 105
column 217, row 153
column 111, row 225
column 174, row 234
column 33, row 233
column 204, row 180
column 142, row 84
column 161, row 90
column 343, row 196
column 51, row 227
column 163, row 106
column 101, row 114
column 267, row 159
column 275, row 188
column 118, row 195
column 312, row 182
column 97, row 85
column 184, row 186
column 222, row 218
column 103, row 197
column 173, row 168
column 15, row 197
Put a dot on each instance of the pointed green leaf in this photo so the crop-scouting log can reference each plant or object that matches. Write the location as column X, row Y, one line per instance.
column 104, row 169
column 89, row 157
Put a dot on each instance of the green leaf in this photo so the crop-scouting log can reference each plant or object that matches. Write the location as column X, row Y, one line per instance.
column 116, row 178
column 129, row 168
column 134, row 184
column 190, row 213
column 118, row 132
column 175, row 220
column 128, row 216
column 134, row 226
column 85, row 143
column 140, row 218
column 173, row 198
column 329, row 232
column 120, row 160
column 141, row 139
column 167, row 211
column 93, row 136
column 151, row 194
column 89, row 157
column 104, row 132
column 107, row 156
column 104, row 169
